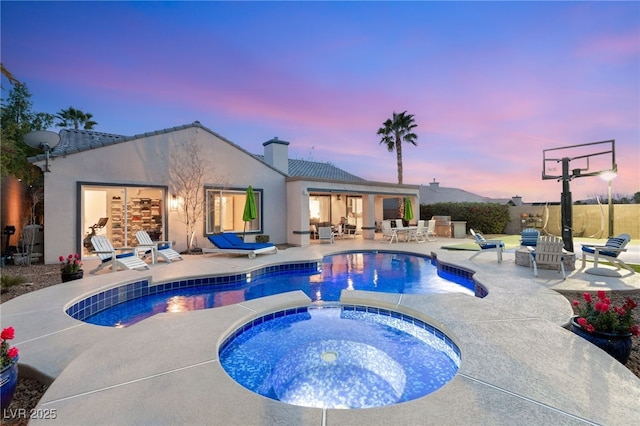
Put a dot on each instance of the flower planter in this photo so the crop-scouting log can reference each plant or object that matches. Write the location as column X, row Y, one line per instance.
column 70, row 276
column 616, row 345
column 8, row 382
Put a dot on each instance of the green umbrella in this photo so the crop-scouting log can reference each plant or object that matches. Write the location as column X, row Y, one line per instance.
column 408, row 210
column 250, row 211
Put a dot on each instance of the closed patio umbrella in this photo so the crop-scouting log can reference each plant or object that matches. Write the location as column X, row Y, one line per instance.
column 250, row 211
column 408, row 210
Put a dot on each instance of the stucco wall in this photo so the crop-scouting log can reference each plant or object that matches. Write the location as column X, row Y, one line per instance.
column 141, row 162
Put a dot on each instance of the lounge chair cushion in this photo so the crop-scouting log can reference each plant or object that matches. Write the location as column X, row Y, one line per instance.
column 220, row 242
column 237, row 242
column 118, row 256
column 606, row 253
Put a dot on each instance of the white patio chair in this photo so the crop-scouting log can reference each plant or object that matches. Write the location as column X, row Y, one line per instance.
column 325, row 234
column 388, row 232
column 109, row 256
column 431, row 231
column 162, row 249
column 487, row 245
column 609, row 252
column 338, row 232
column 548, row 252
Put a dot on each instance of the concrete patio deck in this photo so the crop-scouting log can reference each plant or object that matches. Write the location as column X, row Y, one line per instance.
column 519, row 365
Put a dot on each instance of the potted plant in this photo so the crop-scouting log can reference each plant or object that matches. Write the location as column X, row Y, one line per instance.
column 71, row 267
column 608, row 327
column 9, row 371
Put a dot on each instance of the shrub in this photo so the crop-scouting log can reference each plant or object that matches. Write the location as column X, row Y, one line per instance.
column 262, row 238
column 10, row 280
column 488, row 218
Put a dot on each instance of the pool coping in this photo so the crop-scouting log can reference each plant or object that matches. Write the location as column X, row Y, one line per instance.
column 519, row 365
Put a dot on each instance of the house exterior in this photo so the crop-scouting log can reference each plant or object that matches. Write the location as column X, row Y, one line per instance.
column 130, row 181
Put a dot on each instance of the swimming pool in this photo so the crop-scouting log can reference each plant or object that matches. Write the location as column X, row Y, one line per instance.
column 339, row 356
column 379, row 271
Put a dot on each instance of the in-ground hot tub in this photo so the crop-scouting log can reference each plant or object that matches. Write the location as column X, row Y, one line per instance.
column 340, row 357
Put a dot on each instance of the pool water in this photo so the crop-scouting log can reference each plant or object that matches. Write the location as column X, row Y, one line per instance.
column 386, row 272
column 334, row 357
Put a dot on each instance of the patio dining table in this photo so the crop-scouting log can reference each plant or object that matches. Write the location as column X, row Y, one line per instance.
column 407, row 233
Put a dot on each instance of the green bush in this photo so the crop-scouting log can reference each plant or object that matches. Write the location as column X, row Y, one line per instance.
column 488, row 218
column 262, row 238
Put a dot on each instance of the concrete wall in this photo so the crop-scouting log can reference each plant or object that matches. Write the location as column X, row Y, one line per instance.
column 588, row 220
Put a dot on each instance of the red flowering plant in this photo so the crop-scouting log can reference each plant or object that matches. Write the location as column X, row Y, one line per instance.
column 9, row 354
column 600, row 315
column 71, row 264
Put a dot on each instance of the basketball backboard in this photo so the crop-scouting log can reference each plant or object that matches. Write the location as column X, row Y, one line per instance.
column 589, row 159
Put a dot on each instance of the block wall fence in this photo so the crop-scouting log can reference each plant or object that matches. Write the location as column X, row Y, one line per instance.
column 589, row 221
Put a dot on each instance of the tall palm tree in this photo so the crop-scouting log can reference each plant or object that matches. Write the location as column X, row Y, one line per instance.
column 393, row 132
column 72, row 117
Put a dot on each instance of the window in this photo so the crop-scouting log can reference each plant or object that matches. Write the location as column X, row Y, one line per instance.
column 225, row 208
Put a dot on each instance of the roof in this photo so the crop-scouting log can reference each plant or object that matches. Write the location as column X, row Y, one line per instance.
column 317, row 170
column 434, row 193
column 73, row 141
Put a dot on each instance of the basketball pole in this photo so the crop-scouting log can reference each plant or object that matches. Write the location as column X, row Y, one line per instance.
column 566, row 207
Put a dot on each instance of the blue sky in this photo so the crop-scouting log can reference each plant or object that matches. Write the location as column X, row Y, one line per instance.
column 491, row 84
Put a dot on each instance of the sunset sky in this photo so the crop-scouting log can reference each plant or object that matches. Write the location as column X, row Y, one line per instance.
column 491, row 84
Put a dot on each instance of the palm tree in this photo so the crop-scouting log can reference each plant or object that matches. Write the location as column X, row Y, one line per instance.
column 8, row 74
column 72, row 117
column 394, row 131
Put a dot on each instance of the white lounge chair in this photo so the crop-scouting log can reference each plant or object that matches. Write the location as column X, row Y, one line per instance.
column 127, row 259
column 156, row 249
column 548, row 251
column 325, row 234
column 487, row 245
column 609, row 252
column 388, row 232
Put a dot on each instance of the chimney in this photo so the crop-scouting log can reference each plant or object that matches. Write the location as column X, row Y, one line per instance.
column 517, row 200
column 434, row 184
column 276, row 154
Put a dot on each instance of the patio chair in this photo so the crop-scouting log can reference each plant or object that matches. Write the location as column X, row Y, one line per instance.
column 487, row 245
column 156, row 249
column 610, row 252
column 109, row 256
column 430, row 235
column 338, row 232
column 313, row 232
column 325, row 234
column 388, row 232
column 548, row 251
column 529, row 237
column 421, row 232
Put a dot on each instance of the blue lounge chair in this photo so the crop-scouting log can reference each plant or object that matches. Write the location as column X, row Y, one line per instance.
column 487, row 245
column 609, row 252
column 230, row 243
